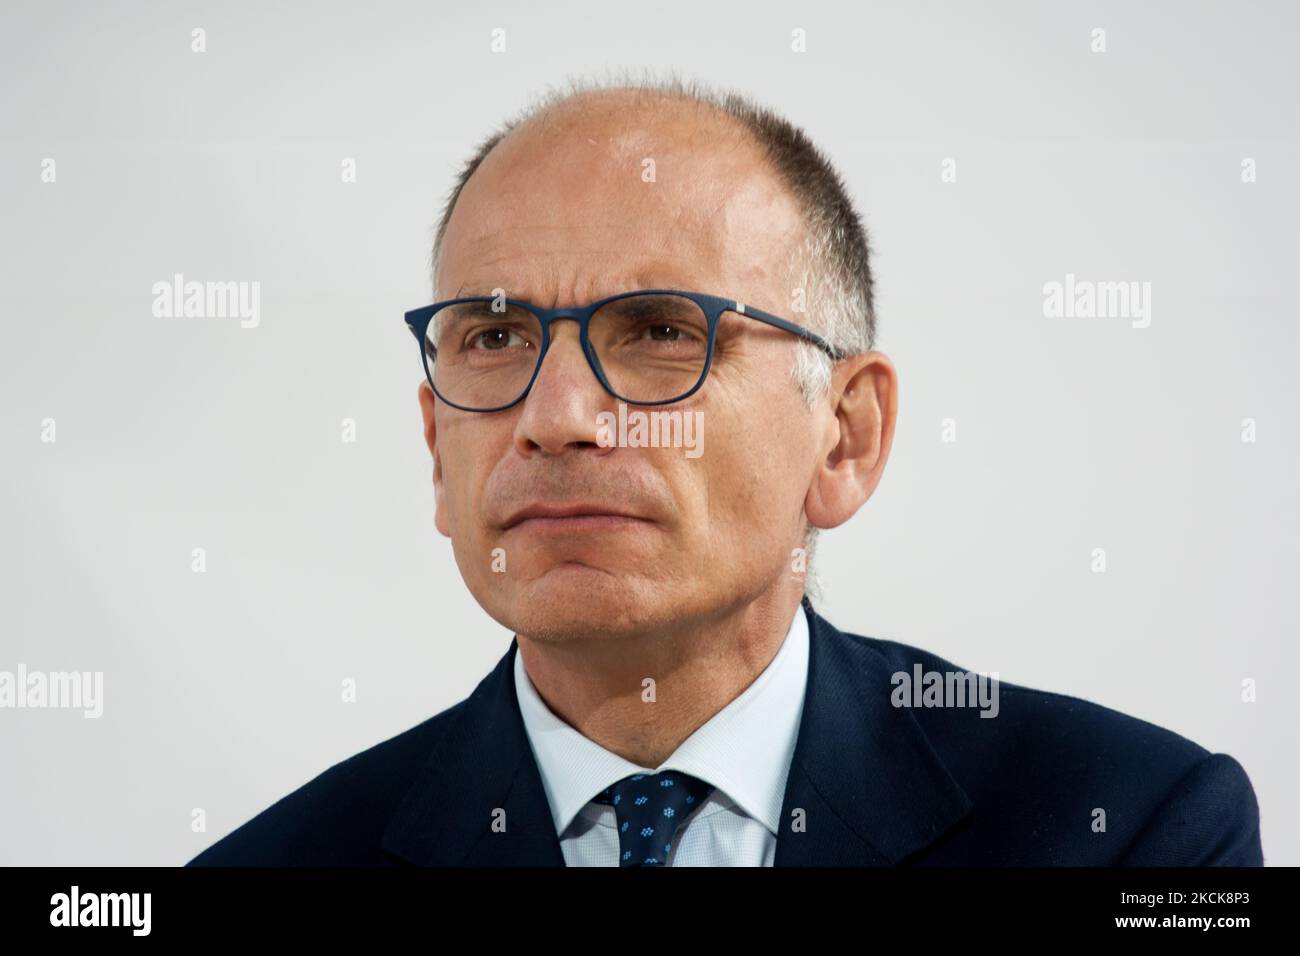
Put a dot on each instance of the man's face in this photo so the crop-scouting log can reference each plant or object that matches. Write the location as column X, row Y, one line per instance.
column 561, row 215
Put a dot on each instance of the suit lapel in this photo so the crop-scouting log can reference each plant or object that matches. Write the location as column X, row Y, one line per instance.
column 865, row 786
column 482, row 770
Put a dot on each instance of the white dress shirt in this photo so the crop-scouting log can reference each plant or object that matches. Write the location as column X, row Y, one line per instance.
column 744, row 750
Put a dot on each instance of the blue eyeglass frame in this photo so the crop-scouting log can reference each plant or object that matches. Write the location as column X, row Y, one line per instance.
column 713, row 306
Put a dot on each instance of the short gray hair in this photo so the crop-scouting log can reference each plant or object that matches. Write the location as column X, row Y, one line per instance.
column 830, row 271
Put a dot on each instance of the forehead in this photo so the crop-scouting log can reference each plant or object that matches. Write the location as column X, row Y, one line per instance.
column 587, row 205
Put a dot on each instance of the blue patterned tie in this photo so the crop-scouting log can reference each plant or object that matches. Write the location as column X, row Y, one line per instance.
column 649, row 808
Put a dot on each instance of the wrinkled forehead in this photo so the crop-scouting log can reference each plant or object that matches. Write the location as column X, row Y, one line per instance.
column 584, row 209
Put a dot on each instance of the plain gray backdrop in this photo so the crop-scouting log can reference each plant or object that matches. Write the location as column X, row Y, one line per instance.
column 222, row 689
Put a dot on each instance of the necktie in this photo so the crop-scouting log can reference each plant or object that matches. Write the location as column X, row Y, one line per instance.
column 650, row 807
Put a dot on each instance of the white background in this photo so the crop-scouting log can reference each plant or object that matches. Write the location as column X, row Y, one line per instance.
column 222, row 690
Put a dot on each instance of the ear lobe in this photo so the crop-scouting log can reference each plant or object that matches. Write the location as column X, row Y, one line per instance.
column 439, row 511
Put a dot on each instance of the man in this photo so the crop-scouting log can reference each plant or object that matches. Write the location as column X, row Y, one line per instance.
column 671, row 697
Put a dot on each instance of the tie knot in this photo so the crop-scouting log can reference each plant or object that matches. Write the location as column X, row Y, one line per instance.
column 650, row 807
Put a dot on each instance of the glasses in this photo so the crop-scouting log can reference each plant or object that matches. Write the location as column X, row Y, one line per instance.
column 647, row 347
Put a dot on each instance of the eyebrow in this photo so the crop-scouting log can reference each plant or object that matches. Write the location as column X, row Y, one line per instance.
column 640, row 281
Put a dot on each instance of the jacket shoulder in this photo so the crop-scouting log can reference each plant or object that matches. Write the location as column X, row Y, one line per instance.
column 1047, row 772
column 1037, row 716
column 339, row 816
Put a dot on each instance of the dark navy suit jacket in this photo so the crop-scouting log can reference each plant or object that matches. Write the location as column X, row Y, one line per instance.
column 871, row 784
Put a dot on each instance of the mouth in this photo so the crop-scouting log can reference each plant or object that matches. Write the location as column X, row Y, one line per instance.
column 570, row 519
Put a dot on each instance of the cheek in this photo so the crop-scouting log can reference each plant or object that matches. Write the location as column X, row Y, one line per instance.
column 466, row 465
column 757, row 469
column 739, row 470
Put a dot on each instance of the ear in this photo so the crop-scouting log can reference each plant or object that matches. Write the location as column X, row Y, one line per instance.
column 428, row 405
column 863, row 400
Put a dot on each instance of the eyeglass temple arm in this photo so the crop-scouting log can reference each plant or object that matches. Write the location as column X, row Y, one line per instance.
column 775, row 320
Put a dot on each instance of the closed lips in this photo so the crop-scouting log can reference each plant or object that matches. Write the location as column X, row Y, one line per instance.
column 573, row 513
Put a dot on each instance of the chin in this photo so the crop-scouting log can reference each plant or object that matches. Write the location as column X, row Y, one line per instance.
column 573, row 600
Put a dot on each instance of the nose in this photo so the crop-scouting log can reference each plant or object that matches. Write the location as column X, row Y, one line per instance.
column 560, row 412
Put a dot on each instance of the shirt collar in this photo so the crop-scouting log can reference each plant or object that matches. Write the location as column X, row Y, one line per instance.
column 744, row 750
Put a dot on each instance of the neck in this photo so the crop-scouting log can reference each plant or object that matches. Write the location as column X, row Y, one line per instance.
column 600, row 686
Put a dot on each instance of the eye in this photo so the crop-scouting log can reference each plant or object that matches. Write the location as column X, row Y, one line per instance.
column 663, row 332
column 669, row 332
column 496, row 339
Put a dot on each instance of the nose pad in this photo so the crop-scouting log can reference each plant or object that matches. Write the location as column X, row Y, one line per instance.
column 550, row 335
column 593, row 363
